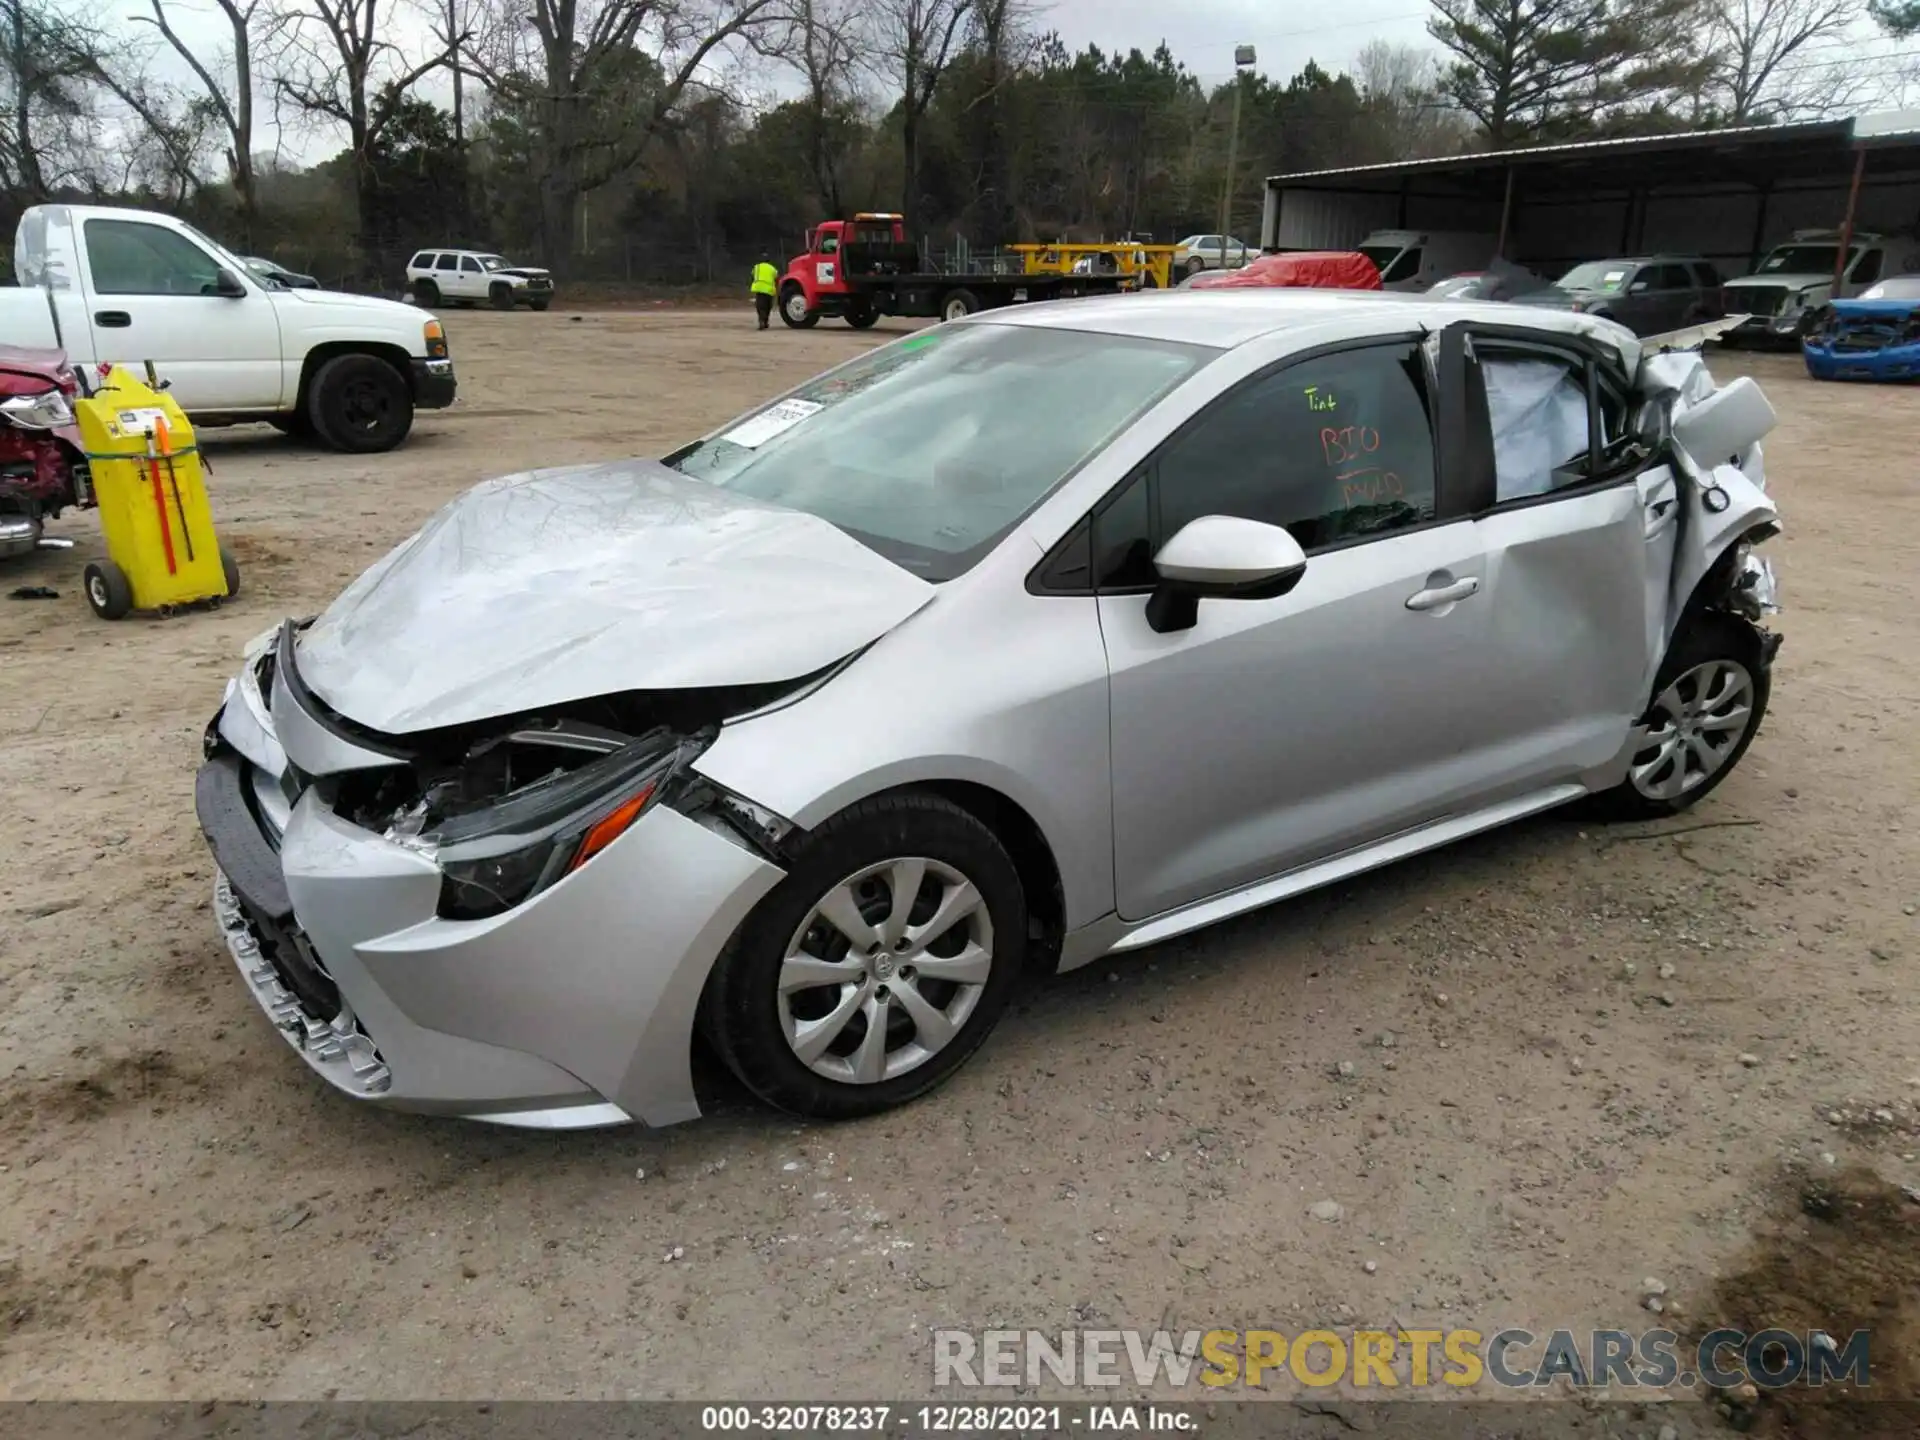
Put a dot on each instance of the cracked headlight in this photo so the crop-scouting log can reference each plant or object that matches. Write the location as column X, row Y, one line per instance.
column 48, row 410
column 494, row 858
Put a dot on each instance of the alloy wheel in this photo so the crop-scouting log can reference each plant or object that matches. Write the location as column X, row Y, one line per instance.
column 1695, row 724
column 885, row 970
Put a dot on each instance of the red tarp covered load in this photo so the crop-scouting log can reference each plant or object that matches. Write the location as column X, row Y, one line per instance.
column 1314, row 269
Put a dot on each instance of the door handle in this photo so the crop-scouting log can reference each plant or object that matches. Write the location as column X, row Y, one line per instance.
column 1443, row 594
column 112, row 319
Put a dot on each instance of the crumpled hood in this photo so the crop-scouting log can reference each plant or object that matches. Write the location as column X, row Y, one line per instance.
column 1793, row 280
column 564, row 584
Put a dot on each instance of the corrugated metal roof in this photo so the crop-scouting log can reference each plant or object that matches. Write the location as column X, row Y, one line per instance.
column 1685, row 140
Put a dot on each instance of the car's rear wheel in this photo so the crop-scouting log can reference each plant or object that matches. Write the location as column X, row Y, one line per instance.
column 1708, row 701
column 877, row 967
column 425, row 292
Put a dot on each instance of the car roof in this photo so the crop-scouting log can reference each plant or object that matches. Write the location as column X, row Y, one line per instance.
column 1225, row 318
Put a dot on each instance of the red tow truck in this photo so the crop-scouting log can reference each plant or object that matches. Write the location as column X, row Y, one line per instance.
column 866, row 267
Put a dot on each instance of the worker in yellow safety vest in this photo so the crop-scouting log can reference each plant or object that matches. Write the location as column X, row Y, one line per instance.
column 764, row 278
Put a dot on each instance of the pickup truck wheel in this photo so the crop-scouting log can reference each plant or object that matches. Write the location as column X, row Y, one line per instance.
column 500, row 297
column 539, row 305
column 360, row 404
column 425, row 292
column 794, row 312
column 958, row 304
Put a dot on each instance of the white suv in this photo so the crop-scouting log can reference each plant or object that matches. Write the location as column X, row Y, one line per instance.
column 466, row 277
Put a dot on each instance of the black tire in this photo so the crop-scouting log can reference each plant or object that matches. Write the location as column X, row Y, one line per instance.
column 743, row 1001
column 230, row 569
column 958, row 304
column 425, row 292
column 539, row 305
column 794, row 313
column 1709, row 639
column 500, row 296
column 862, row 317
column 109, row 591
column 359, row 404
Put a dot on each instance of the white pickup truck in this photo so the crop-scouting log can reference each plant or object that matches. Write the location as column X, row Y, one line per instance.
column 131, row 286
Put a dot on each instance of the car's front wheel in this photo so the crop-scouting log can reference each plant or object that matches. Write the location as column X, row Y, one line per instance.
column 1708, row 701
column 878, row 966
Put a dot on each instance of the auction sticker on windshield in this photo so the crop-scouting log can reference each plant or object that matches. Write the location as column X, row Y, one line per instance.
column 774, row 420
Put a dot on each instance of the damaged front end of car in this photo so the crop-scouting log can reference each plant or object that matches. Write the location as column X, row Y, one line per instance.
column 383, row 893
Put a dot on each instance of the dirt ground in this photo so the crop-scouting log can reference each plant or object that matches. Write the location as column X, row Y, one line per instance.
column 1516, row 1065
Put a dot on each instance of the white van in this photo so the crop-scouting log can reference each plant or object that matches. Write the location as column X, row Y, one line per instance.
column 1420, row 259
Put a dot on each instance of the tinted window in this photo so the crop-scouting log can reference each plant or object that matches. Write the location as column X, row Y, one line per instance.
column 1866, row 268
column 1707, row 276
column 1123, row 539
column 469, row 265
column 1332, row 448
column 1405, row 268
column 1672, row 277
column 126, row 257
column 448, row 262
column 422, row 261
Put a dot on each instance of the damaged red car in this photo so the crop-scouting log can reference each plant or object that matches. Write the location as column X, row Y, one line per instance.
column 43, row 468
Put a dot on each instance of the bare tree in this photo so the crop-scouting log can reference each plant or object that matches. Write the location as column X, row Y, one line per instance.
column 48, row 62
column 231, row 105
column 1400, row 85
column 915, row 41
column 599, row 80
column 336, row 67
column 1751, row 43
column 822, row 44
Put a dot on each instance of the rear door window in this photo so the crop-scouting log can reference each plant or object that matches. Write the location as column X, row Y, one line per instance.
column 448, row 262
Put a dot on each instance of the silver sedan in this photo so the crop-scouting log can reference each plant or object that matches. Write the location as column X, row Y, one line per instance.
column 1057, row 631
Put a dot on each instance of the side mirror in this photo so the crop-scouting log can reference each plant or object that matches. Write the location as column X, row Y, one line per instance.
column 1221, row 557
column 227, row 286
column 1726, row 423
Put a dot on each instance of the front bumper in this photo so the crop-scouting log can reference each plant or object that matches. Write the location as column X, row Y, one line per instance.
column 433, row 384
column 573, row 1009
column 1891, row 363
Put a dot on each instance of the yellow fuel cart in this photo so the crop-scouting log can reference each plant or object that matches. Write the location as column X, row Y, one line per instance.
column 151, row 489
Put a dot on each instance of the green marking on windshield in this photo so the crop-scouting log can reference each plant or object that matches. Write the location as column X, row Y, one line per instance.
column 920, row 342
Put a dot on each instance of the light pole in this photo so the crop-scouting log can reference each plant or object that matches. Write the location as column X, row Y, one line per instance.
column 1242, row 62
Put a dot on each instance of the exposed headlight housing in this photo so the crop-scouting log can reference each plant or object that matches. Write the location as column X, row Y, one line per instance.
column 48, row 410
column 495, row 858
column 435, row 336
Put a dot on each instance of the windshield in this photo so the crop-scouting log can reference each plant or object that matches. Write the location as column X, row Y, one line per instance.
column 1606, row 276
column 931, row 449
column 1382, row 256
column 490, row 263
column 1801, row 260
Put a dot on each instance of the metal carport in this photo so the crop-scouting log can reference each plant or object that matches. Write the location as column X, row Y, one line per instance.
column 1729, row 195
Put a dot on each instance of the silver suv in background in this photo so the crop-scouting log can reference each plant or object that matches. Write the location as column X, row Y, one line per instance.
column 1649, row 294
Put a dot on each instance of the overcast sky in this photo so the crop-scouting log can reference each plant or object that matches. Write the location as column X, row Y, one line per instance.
column 1201, row 33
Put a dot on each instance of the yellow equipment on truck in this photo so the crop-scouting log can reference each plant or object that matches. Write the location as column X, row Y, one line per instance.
column 151, row 489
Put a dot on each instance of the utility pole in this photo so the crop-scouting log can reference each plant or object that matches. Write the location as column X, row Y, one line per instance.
column 1242, row 62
